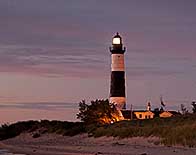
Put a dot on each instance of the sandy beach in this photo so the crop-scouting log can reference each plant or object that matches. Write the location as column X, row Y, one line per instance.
column 52, row 144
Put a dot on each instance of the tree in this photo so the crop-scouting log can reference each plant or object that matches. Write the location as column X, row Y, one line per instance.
column 194, row 106
column 98, row 112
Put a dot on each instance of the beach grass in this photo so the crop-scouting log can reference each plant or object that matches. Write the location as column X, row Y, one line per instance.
column 172, row 131
column 41, row 127
column 179, row 130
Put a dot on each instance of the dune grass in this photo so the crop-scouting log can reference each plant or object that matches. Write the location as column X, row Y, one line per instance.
column 43, row 126
column 172, row 131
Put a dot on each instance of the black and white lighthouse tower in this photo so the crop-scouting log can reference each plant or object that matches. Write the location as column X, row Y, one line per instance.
column 117, row 87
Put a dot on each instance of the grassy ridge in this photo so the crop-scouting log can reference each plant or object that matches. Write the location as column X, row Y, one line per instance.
column 43, row 126
column 173, row 131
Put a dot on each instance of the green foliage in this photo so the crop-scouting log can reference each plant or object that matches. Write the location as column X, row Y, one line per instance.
column 8, row 131
column 43, row 126
column 98, row 112
column 175, row 130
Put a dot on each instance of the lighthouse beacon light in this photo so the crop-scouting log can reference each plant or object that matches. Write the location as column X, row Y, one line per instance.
column 116, row 41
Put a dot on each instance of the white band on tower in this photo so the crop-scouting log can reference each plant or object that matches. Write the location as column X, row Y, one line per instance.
column 117, row 62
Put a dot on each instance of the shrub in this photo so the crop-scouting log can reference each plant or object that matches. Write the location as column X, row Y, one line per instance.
column 98, row 112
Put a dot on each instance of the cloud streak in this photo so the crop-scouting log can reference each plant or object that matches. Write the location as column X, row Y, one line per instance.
column 40, row 106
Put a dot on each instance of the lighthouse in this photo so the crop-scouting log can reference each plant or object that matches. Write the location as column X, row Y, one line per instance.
column 117, row 86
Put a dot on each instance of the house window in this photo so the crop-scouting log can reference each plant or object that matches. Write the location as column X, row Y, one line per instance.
column 140, row 115
column 149, row 116
column 146, row 117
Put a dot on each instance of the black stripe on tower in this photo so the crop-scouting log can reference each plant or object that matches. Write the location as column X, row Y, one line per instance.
column 117, row 87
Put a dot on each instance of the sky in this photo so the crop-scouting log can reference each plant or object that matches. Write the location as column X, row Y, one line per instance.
column 58, row 51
